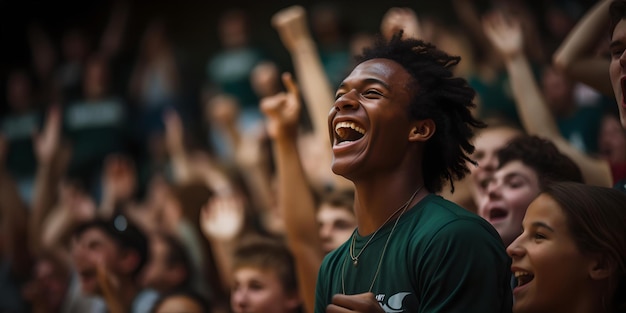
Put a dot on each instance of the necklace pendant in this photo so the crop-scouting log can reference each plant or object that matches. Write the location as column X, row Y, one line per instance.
column 355, row 262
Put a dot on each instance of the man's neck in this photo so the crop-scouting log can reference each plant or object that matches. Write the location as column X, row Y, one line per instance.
column 377, row 200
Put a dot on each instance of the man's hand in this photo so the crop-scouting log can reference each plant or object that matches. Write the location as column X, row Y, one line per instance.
column 283, row 110
column 363, row 302
column 404, row 19
column 505, row 33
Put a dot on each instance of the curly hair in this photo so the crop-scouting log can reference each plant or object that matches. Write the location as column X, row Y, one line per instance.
column 439, row 96
column 542, row 156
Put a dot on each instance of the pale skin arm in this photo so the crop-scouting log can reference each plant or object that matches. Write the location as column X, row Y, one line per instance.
column 252, row 161
column 295, row 198
column 532, row 107
column 404, row 19
column 222, row 222
column 174, row 136
column 318, row 95
column 575, row 56
column 119, row 183
column 49, row 166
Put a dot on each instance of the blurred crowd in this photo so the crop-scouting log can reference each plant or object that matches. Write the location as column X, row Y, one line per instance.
column 120, row 192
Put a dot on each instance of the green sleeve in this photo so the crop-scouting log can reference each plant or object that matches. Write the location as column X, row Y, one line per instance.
column 464, row 268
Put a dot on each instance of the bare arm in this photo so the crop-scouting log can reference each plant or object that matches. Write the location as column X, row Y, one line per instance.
column 295, row 198
column 533, row 110
column 316, row 90
column 174, row 137
column 49, row 166
column 222, row 223
column 575, row 56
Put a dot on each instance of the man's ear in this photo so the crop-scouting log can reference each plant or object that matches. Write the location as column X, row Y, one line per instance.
column 600, row 267
column 422, row 130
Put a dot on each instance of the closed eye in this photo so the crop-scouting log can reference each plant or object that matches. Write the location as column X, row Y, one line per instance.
column 617, row 54
column 372, row 93
column 539, row 236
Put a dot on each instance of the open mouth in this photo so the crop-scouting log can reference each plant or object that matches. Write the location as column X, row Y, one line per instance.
column 498, row 214
column 348, row 131
column 523, row 278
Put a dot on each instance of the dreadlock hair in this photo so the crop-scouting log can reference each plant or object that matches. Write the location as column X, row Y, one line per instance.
column 439, row 96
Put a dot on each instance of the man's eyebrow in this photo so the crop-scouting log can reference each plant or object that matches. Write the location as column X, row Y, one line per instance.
column 368, row 81
column 376, row 81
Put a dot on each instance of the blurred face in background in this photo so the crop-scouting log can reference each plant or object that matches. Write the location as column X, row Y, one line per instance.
column 612, row 140
column 336, row 225
column 509, row 192
column 91, row 249
column 487, row 143
column 258, row 290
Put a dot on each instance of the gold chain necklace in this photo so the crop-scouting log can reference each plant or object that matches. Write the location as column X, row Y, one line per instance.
column 355, row 260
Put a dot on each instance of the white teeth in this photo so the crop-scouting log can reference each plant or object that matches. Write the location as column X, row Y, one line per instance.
column 519, row 274
column 349, row 125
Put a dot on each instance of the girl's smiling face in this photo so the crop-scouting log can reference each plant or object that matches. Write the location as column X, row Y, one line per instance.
column 550, row 269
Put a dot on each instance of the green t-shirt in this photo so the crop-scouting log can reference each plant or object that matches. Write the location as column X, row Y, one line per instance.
column 441, row 258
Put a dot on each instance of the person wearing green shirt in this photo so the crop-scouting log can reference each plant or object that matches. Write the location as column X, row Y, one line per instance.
column 400, row 128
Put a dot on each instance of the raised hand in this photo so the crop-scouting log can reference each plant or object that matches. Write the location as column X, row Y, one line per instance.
column 505, row 33
column 282, row 111
column 291, row 25
column 397, row 19
column 46, row 143
column 174, row 131
column 119, row 179
column 222, row 218
column 363, row 302
column 79, row 207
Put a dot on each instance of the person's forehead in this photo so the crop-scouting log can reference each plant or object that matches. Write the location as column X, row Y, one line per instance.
column 379, row 67
column 514, row 167
column 95, row 234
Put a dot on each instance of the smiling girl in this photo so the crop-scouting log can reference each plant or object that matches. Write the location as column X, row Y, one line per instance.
column 571, row 256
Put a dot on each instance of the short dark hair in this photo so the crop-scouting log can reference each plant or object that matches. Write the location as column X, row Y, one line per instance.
column 267, row 253
column 340, row 198
column 617, row 12
column 125, row 234
column 542, row 156
column 196, row 297
column 596, row 217
column 439, row 96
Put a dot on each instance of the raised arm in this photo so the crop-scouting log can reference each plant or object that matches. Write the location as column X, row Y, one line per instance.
column 50, row 163
column 222, row 223
column 576, row 55
column 506, row 35
column 318, row 95
column 295, row 198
